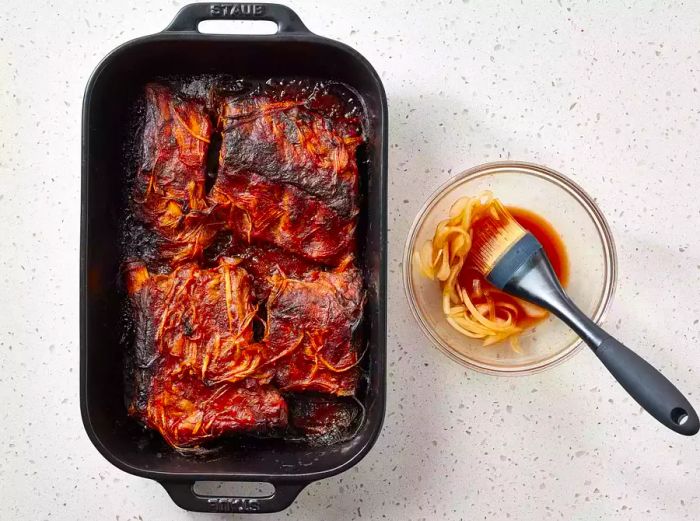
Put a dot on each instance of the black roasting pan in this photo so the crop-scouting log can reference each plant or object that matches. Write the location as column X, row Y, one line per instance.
column 181, row 50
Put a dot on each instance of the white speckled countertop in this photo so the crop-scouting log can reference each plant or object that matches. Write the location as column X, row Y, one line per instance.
column 605, row 92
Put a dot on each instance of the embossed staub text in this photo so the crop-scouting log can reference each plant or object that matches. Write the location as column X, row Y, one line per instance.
column 234, row 504
column 242, row 10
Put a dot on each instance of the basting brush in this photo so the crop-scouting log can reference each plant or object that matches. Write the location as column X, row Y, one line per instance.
column 514, row 261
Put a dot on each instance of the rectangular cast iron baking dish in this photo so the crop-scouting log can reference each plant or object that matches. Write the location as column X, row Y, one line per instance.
column 180, row 49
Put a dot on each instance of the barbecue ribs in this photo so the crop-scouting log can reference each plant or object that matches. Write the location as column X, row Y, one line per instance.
column 194, row 346
column 187, row 412
column 310, row 332
column 257, row 209
column 323, row 419
column 169, row 192
column 288, row 142
column 253, row 289
column 262, row 263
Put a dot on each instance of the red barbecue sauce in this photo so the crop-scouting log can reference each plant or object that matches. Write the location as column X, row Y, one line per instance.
column 544, row 232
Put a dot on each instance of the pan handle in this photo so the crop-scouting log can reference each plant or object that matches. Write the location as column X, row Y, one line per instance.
column 188, row 18
column 184, row 496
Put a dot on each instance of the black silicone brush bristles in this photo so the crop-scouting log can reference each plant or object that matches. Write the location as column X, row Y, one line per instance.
column 497, row 231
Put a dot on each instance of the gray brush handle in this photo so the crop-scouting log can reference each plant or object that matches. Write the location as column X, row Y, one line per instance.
column 648, row 386
column 534, row 280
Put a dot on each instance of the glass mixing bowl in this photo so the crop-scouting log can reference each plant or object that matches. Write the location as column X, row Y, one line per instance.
column 588, row 242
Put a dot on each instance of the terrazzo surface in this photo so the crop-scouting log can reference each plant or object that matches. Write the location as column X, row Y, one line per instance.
column 605, row 92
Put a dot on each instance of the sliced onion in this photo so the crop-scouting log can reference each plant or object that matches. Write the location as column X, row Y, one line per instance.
column 459, row 206
column 471, row 325
column 454, row 324
column 476, row 288
column 478, row 316
column 444, row 270
column 443, row 258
